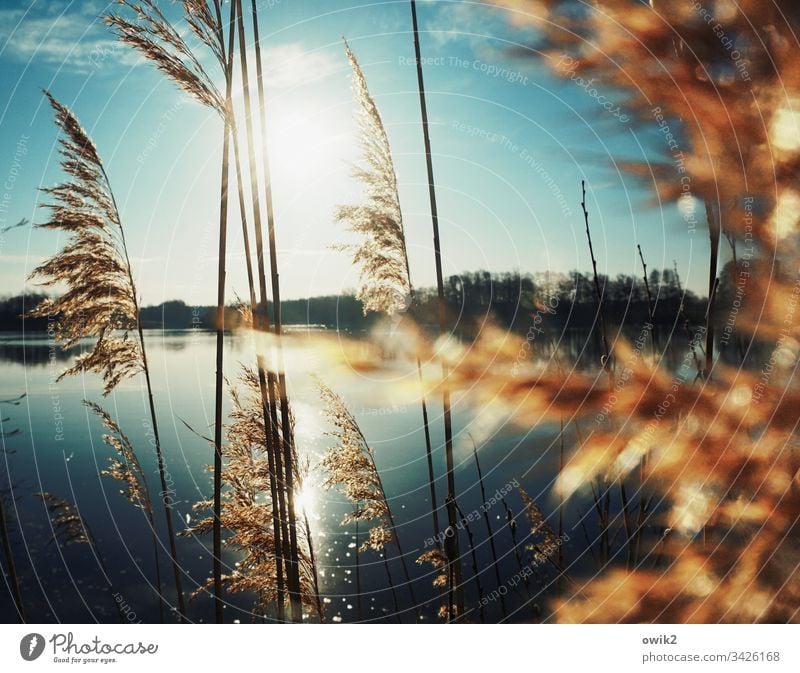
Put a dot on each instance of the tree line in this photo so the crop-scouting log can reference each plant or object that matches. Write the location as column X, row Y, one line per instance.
column 508, row 298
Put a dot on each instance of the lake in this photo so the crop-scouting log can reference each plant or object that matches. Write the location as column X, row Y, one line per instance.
column 53, row 444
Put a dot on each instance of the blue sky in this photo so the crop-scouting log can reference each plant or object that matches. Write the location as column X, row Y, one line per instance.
column 511, row 144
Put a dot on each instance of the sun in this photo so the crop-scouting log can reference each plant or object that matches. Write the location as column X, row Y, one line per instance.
column 302, row 143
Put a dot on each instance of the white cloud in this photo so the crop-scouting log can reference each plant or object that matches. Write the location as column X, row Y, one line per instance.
column 291, row 65
column 77, row 40
column 456, row 22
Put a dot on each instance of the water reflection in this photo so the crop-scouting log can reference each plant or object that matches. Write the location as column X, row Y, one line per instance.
column 58, row 449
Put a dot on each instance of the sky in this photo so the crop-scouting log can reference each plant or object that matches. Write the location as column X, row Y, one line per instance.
column 511, row 144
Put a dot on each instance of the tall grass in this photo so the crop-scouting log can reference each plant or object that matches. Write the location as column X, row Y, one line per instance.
column 100, row 296
column 248, row 508
column 284, row 459
column 351, row 467
column 454, row 560
column 125, row 468
column 69, row 527
column 262, row 322
column 13, row 578
column 381, row 252
column 11, row 566
column 488, row 524
column 155, row 38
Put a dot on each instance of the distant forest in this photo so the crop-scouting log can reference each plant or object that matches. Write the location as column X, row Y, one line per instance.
column 510, row 299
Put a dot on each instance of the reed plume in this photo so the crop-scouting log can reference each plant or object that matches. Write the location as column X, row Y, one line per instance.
column 351, row 467
column 68, row 525
column 546, row 542
column 381, row 251
column 248, row 508
column 125, row 468
column 152, row 35
column 100, row 299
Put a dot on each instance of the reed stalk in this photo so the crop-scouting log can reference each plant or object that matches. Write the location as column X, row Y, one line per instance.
column 643, row 501
column 16, row 592
column 686, row 326
column 454, row 560
column 511, row 522
column 293, row 568
column 219, row 375
column 740, row 347
column 605, row 542
column 262, row 323
column 476, row 575
column 651, row 308
column 152, row 35
column 165, row 497
column 359, row 613
column 488, row 523
column 714, row 229
column 266, row 403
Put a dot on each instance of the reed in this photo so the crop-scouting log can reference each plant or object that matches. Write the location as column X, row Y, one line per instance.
column 381, row 251
column 125, row 468
column 454, row 560
column 154, row 37
column 488, row 523
column 605, row 515
column 644, row 503
column 511, row 523
column 100, row 297
column 714, row 230
column 690, row 335
column 13, row 578
column 288, row 434
column 351, row 467
column 247, row 512
column 359, row 613
column 282, row 451
column 598, row 288
column 8, row 552
column 476, row 574
column 651, row 307
column 546, row 542
column 307, row 560
column 69, row 527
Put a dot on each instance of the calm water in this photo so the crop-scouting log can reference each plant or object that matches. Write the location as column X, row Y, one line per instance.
column 53, row 444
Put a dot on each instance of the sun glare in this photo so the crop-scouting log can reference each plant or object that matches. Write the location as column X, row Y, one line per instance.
column 299, row 144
